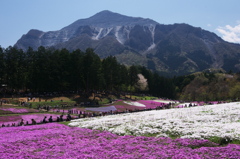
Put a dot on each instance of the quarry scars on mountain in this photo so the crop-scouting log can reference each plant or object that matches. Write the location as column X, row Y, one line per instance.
column 121, row 33
column 97, row 27
column 176, row 49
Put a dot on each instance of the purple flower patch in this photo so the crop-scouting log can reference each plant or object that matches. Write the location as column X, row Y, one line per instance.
column 27, row 118
column 63, row 142
column 18, row 110
column 152, row 104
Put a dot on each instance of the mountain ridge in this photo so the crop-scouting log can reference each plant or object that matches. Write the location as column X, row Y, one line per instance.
column 176, row 49
column 112, row 19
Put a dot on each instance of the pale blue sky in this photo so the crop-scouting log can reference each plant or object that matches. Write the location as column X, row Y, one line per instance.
column 19, row 16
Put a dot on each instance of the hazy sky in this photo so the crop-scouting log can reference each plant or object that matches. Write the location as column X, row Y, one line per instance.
column 19, row 16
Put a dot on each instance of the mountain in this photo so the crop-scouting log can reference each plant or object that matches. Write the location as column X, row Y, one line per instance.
column 169, row 49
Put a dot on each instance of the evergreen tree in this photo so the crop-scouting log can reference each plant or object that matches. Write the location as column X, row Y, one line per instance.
column 15, row 68
column 111, row 73
column 2, row 67
column 91, row 70
column 133, row 78
column 76, row 70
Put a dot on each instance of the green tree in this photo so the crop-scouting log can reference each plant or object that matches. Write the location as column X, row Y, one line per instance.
column 42, row 70
column 124, row 78
column 60, row 69
column 15, row 68
column 76, row 70
column 2, row 66
column 111, row 72
column 235, row 91
column 91, row 70
column 133, row 77
column 30, row 61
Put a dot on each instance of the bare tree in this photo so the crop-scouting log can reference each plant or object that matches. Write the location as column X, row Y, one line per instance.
column 142, row 83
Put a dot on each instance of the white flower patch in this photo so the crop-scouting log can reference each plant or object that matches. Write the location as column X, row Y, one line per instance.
column 165, row 101
column 222, row 120
column 137, row 104
column 103, row 109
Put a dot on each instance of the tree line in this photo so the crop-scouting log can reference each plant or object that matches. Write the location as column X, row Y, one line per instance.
column 45, row 70
column 51, row 70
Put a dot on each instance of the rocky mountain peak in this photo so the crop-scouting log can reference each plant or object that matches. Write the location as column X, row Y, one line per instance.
column 177, row 48
column 106, row 19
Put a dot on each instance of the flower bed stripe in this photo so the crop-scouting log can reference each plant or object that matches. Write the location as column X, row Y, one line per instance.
column 222, row 120
column 57, row 141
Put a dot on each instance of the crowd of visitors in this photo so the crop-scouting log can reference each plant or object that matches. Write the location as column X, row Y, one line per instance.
column 77, row 114
column 45, row 120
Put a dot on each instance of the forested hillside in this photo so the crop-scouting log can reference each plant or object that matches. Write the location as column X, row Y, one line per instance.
column 49, row 70
column 46, row 70
column 207, row 86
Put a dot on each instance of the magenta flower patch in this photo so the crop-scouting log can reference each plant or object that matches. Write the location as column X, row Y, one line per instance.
column 58, row 141
column 18, row 110
column 152, row 104
column 27, row 118
column 9, row 119
column 138, row 105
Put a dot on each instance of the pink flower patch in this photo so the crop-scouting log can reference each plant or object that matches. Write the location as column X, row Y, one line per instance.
column 19, row 110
